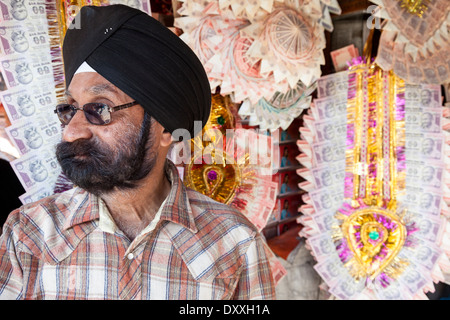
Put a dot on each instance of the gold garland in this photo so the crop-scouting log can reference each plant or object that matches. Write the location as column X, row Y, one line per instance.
column 371, row 226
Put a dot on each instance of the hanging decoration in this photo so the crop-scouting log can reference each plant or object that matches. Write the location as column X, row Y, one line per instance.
column 265, row 54
column 30, row 72
column 376, row 212
column 289, row 42
column 415, row 39
column 249, row 9
column 215, row 36
column 280, row 110
column 222, row 167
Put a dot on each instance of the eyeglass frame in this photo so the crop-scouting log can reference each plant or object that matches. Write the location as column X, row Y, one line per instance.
column 110, row 110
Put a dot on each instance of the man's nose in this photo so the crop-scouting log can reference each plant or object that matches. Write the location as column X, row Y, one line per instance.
column 78, row 128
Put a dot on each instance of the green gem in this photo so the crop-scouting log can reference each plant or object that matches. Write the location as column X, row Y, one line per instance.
column 374, row 235
column 221, row 120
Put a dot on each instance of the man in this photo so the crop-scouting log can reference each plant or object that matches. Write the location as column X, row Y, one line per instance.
column 130, row 229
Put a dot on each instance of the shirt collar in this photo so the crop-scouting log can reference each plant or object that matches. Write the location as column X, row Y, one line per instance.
column 84, row 207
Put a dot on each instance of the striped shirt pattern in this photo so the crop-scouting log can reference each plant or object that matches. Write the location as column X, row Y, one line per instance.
column 59, row 248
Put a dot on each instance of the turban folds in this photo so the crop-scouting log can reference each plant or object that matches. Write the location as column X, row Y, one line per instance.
column 142, row 58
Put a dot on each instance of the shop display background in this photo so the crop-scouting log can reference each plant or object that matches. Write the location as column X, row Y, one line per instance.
column 281, row 231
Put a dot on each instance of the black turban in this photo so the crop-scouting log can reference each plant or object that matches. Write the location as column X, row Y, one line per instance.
column 142, row 58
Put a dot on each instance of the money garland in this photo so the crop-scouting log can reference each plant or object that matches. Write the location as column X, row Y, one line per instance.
column 280, row 110
column 376, row 213
column 31, row 69
column 415, row 39
column 266, row 54
column 221, row 169
column 250, row 9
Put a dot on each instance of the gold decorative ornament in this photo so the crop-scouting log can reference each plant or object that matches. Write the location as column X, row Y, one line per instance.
column 416, row 7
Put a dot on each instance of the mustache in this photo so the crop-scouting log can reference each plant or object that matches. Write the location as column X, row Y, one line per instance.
column 79, row 148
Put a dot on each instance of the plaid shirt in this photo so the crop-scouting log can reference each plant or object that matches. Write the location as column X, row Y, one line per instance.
column 63, row 247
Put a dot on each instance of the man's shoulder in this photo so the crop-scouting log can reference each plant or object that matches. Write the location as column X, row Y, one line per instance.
column 205, row 208
column 41, row 228
column 44, row 216
column 55, row 203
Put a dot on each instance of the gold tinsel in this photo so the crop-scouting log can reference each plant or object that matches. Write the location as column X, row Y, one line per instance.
column 372, row 162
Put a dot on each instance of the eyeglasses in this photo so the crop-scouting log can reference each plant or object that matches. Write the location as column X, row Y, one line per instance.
column 96, row 113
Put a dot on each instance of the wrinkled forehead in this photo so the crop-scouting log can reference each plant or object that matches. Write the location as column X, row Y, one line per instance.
column 92, row 84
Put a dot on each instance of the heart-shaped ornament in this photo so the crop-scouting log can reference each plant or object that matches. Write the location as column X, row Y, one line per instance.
column 375, row 236
column 217, row 181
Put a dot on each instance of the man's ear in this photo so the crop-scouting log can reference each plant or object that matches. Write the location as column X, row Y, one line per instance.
column 166, row 138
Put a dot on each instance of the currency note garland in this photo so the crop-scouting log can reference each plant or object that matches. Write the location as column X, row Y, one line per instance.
column 415, row 39
column 32, row 68
column 254, row 52
column 378, row 240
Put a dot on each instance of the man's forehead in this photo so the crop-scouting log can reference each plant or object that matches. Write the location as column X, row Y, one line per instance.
column 92, row 85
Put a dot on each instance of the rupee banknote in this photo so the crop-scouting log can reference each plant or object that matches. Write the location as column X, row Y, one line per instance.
column 25, row 11
column 36, row 169
column 16, row 38
column 321, row 245
column 325, row 222
column 258, row 212
column 429, row 227
column 331, row 269
column 343, row 56
column 277, row 269
column 329, row 175
column 427, row 174
column 347, row 288
column 330, row 131
column 330, row 108
column 394, row 291
column 35, row 194
column 423, row 254
column 413, row 278
column 333, row 84
column 423, row 95
column 27, row 70
column 327, row 199
column 418, row 198
column 26, row 103
column 430, row 68
column 417, row 29
column 267, row 190
column 420, row 146
column 327, row 153
column 143, row 5
column 34, row 134
column 423, row 120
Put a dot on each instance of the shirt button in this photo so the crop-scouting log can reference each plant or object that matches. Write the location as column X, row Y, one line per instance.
column 130, row 256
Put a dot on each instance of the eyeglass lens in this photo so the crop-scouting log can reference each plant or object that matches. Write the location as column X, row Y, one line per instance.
column 96, row 113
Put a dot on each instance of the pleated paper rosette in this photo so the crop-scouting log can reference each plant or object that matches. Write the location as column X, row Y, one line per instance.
column 260, row 51
column 415, row 39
